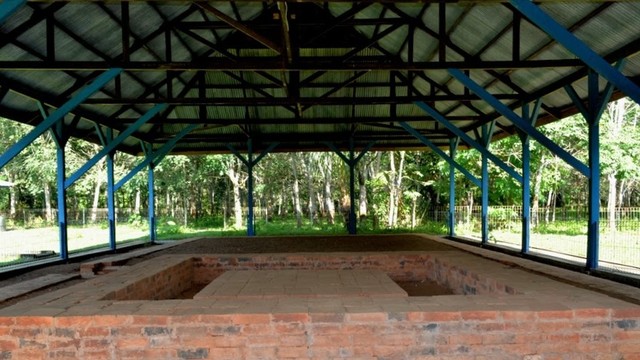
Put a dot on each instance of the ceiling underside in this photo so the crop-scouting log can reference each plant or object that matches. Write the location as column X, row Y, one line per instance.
column 299, row 73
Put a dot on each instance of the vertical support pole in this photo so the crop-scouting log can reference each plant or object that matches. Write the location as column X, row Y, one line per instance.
column 62, row 193
column 152, row 204
column 526, row 194
column 250, row 225
column 530, row 116
column 453, row 147
column 593, row 230
column 352, row 190
column 485, row 189
column 111, row 213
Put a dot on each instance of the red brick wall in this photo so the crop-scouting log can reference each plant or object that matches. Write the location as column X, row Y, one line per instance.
column 167, row 283
column 532, row 335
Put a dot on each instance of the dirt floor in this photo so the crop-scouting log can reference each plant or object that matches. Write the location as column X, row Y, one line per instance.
column 243, row 245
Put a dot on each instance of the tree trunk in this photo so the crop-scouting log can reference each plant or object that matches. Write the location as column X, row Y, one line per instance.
column 414, row 202
column 362, row 195
column 535, row 201
column 611, row 201
column 297, row 208
column 96, row 200
column 469, row 206
column 48, row 214
column 326, row 171
column 313, row 209
column 617, row 111
column 548, row 207
column 395, row 185
column 212, row 198
column 13, row 198
column 136, row 206
column 234, row 176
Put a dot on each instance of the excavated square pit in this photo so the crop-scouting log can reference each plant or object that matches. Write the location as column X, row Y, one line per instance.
column 319, row 306
column 309, row 276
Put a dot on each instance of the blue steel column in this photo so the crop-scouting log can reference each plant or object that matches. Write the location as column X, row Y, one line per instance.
column 152, row 204
column 250, row 226
column 352, row 190
column 111, row 199
column 62, row 197
column 526, row 193
column 453, row 146
column 531, row 116
column 485, row 189
column 593, row 230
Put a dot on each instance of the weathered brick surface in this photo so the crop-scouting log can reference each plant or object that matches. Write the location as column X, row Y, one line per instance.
column 365, row 336
column 538, row 319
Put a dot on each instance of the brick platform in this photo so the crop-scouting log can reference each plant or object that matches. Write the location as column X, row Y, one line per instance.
column 264, row 284
column 515, row 314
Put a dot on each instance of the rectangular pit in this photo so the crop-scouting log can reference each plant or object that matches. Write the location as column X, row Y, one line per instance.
column 180, row 277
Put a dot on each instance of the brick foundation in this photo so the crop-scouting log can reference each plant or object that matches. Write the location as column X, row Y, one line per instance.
column 514, row 315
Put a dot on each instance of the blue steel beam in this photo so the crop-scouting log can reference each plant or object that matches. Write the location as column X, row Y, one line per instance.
column 466, row 138
column 58, row 115
column 112, row 144
column 9, row 7
column 440, row 153
column 453, row 147
column 577, row 47
column 520, row 123
column 155, row 157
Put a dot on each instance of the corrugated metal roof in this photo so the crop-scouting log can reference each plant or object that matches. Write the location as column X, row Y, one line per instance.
column 344, row 69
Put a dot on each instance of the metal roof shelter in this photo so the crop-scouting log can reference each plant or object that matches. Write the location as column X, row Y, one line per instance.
column 248, row 76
